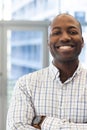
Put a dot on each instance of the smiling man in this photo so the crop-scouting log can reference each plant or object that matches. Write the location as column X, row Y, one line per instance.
column 65, row 37
column 65, row 42
column 54, row 98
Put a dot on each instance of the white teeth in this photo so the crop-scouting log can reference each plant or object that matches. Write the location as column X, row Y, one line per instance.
column 65, row 47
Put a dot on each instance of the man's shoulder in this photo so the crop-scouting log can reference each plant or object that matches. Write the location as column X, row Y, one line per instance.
column 36, row 74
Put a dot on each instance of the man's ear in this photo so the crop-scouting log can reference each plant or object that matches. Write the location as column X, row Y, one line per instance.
column 82, row 42
column 48, row 41
column 48, row 45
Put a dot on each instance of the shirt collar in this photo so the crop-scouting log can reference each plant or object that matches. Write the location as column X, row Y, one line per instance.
column 55, row 71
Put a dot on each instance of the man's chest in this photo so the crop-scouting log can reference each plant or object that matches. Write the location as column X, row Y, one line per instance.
column 63, row 102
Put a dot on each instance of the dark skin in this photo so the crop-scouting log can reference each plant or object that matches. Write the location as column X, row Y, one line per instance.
column 65, row 43
column 65, row 73
column 39, row 125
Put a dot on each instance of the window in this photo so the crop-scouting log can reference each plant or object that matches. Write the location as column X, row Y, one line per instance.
column 24, row 45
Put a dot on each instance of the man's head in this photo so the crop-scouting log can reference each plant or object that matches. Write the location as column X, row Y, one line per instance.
column 65, row 38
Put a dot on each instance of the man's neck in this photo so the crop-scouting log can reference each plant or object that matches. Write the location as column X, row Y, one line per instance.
column 66, row 69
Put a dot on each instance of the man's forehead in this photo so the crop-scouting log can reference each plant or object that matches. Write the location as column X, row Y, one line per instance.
column 64, row 17
column 66, row 20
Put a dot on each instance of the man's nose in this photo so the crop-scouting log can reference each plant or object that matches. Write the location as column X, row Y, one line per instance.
column 65, row 37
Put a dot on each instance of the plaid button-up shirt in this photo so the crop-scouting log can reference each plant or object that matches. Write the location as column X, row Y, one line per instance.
column 42, row 93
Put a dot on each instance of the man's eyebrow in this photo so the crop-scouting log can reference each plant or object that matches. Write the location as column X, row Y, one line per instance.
column 73, row 27
column 56, row 28
column 70, row 27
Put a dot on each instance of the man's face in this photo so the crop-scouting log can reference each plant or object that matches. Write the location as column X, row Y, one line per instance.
column 65, row 40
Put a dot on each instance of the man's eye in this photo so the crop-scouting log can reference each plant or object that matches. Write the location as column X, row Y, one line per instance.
column 56, row 33
column 73, row 32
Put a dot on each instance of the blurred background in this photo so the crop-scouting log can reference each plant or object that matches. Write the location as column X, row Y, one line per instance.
column 23, row 40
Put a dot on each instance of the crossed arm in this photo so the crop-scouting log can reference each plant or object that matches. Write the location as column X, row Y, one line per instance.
column 21, row 114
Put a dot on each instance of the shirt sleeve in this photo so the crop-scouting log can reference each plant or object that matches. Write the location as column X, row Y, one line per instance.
column 21, row 110
column 52, row 123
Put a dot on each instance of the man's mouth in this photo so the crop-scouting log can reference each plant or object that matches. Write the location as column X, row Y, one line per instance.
column 65, row 46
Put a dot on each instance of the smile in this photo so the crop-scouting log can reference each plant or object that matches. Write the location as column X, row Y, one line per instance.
column 65, row 48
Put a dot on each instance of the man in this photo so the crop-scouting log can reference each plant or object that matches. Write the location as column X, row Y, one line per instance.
column 54, row 98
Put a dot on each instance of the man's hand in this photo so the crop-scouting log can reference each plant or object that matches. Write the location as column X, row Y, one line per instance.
column 37, row 121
